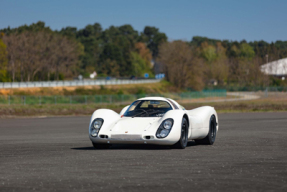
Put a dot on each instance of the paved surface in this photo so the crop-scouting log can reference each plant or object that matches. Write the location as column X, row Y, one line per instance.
column 54, row 154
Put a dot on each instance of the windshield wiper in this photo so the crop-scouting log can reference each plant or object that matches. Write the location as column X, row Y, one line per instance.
column 144, row 111
column 148, row 113
column 154, row 112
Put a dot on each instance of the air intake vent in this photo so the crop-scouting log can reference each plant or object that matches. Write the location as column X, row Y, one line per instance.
column 148, row 137
column 104, row 136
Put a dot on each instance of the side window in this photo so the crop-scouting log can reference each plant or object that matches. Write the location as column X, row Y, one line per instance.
column 173, row 104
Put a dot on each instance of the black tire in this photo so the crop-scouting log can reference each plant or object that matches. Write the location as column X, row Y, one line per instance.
column 101, row 146
column 210, row 138
column 182, row 143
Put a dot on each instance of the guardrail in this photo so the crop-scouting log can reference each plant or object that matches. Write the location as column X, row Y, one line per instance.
column 100, row 99
column 74, row 83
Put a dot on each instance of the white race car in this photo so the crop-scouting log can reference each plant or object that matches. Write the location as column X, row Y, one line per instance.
column 153, row 120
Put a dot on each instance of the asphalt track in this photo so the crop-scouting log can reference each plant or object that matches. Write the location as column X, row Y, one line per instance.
column 55, row 154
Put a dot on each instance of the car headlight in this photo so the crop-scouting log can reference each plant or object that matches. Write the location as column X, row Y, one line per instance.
column 96, row 126
column 98, row 123
column 164, row 128
column 167, row 124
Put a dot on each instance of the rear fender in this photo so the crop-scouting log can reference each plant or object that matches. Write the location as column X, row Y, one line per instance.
column 200, row 118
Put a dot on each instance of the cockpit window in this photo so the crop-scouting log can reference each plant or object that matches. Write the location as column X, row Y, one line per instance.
column 148, row 108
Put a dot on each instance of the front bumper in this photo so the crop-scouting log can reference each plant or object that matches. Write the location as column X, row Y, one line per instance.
column 133, row 139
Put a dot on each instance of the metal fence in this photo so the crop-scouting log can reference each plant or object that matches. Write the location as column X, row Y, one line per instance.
column 75, row 83
column 101, row 99
column 249, row 93
column 253, row 88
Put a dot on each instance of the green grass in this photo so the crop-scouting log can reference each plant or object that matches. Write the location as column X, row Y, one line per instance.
column 99, row 99
column 260, row 105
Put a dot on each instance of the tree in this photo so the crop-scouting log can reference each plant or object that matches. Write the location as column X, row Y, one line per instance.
column 34, row 27
column 139, row 66
column 144, row 52
column 12, row 43
column 181, row 67
column 118, row 43
column 197, row 41
column 41, row 53
column 90, row 37
column 66, row 55
column 110, row 67
column 113, row 53
column 208, row 52
column 70, row 32
column 215, row 62
column 153, row 38
column 3, row 61
column 246, row 51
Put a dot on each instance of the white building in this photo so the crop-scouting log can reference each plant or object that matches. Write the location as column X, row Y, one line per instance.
column 93, row 75
column 276, row 68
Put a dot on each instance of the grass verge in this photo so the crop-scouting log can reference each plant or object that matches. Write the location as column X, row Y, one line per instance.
column 260, row 105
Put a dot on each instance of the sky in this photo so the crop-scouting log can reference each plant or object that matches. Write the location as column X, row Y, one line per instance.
column 234, row 20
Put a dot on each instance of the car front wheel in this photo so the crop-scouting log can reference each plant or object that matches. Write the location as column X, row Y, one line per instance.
column 182, row 143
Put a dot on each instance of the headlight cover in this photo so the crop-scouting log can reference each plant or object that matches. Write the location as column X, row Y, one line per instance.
column 96, row 126
column 164, row 128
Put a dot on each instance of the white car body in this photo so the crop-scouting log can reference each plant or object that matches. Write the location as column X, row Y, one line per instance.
column 117, row 129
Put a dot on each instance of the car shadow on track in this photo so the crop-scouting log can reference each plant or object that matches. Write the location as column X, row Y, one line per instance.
column 134, row 147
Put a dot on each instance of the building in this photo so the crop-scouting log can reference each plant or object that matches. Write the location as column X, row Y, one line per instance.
column 276, row 68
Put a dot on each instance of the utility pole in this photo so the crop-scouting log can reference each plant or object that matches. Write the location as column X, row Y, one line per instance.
column 266, row 58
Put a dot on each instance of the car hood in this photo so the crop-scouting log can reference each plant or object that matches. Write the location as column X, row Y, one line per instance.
column 134, row 125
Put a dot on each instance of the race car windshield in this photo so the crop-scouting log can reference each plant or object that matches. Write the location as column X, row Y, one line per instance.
column 148, row 108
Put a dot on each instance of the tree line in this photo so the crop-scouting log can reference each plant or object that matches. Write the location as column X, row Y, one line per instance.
column 35, row 52
column 228, row 63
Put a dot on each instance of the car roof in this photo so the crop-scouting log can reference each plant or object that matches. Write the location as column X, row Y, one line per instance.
column 153, row 98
